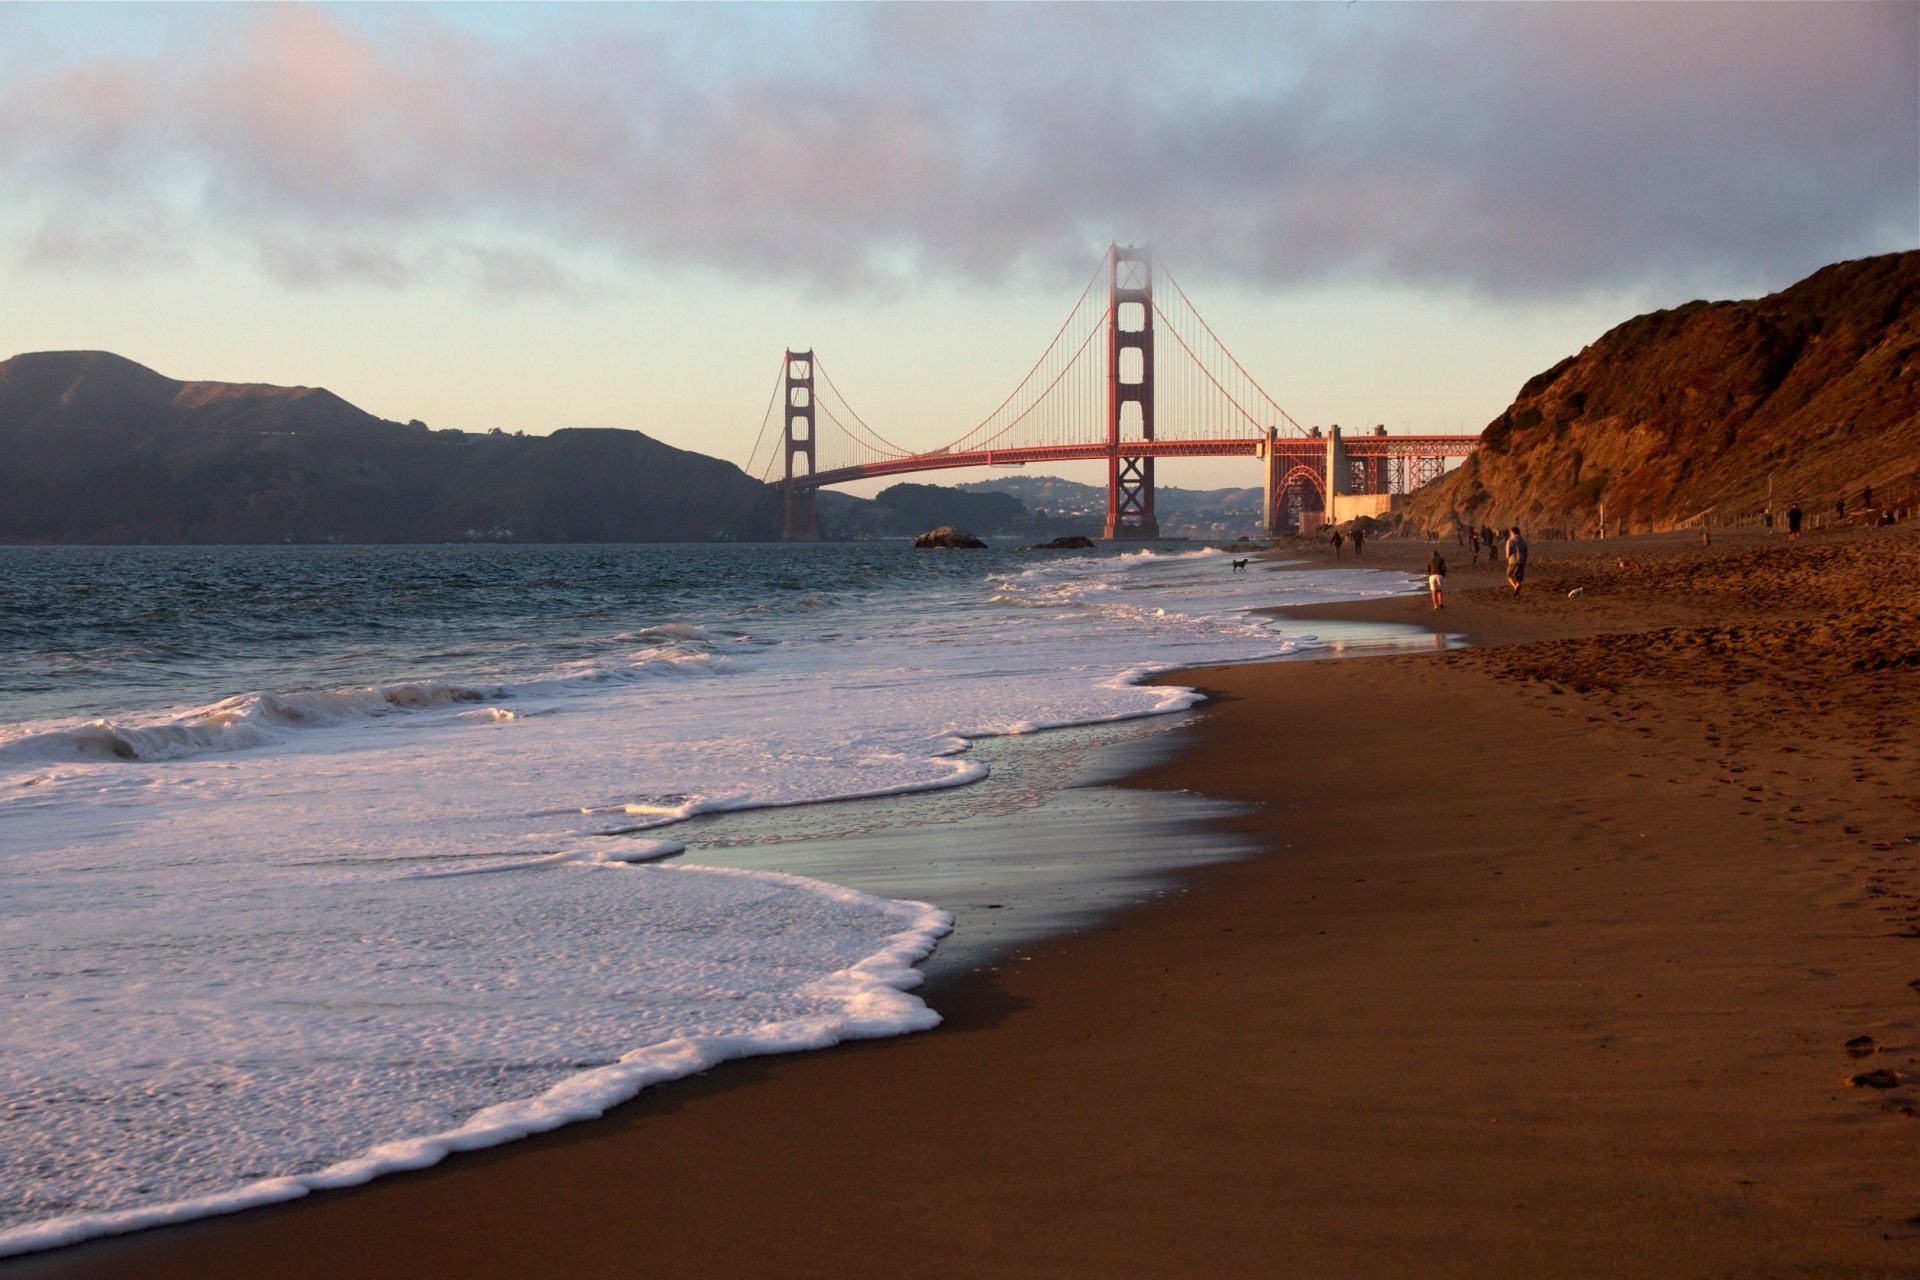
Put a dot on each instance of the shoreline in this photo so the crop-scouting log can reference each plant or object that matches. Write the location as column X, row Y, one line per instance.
column 1013, row 871
column 919, row 845
column 1465, row 1017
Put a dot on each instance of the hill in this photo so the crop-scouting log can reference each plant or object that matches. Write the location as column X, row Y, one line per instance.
column 1694, row 410
column 97, row 448
column 1068, row 506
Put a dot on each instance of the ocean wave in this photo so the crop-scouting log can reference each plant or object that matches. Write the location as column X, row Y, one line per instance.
column 489, row 715
column 1097, row 566
column 681, row 632
column 261, row 719
column 626, row 853
column 235, row 724
column 664, row 811
column 642, row 665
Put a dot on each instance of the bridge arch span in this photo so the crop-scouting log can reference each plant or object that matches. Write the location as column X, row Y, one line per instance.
column 1299, row 472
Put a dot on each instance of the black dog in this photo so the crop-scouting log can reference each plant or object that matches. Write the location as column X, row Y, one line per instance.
column 1240, row 566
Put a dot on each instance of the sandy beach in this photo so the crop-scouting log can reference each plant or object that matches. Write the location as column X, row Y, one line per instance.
column 1592, row 950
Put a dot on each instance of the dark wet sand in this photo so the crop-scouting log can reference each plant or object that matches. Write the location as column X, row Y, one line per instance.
column 1549, row 970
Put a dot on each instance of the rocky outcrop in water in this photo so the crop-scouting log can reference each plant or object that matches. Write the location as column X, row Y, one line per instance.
column 947, row 536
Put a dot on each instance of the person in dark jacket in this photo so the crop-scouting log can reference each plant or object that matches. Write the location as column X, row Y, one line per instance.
column 1516, row 559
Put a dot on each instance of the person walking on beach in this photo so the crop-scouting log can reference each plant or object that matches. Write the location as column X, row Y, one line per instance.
column 1337, row 540
column 1359, row 539
column 1473, row 544
column 1793, row 521
column 1437, row 579
column 1516, row 559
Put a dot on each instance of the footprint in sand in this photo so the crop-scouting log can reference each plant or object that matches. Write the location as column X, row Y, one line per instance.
column 1862, row 1046
column 1881, row 1079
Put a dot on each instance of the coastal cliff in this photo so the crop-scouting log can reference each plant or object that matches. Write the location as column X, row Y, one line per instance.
column 1691, row 411
column 96, row 448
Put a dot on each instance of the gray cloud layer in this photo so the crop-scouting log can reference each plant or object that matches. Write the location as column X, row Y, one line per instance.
column 1512, row 150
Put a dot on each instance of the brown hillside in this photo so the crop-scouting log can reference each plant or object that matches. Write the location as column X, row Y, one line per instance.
column 1690, row 411
column 67, row 390
column 51, row 388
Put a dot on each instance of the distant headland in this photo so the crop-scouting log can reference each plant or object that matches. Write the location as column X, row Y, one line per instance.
column 96, row 448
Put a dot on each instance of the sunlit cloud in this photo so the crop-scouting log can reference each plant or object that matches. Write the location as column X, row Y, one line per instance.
column 1504, row 150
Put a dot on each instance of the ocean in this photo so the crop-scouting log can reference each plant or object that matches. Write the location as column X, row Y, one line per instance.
column 319, row 863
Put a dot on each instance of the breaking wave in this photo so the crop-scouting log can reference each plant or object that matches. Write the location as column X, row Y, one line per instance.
column 264, row 718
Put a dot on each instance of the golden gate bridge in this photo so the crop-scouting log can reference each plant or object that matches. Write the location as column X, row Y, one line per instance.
column 1133, row 375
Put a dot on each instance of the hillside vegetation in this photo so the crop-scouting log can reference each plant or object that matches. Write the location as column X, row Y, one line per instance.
column 1692, row 411
column 97, row 448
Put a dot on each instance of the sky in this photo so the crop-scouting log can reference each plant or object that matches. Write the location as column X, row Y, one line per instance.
column 535, row 217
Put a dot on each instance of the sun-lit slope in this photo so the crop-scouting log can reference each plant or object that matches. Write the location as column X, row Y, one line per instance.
column 1683, row 411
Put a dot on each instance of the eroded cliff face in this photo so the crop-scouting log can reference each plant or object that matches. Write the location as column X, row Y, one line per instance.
column 1691, row 410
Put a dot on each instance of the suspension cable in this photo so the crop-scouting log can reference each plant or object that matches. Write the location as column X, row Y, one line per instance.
column 1195, row 312
column 1038, row 400
column 826, row 411
column 1201, row 365
column 767, row 417
column 886, row 445
column 1072, row 312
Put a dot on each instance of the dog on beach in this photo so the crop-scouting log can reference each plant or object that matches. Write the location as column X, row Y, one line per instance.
column 1631, row 566
column 1240, row 566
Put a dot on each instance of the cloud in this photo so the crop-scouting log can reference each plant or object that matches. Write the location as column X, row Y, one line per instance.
column 78, row 240
column 302, row 260
column 1508, row 150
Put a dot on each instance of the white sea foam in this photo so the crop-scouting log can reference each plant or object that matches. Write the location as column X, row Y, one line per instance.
column 577, row 999
column 247, row 942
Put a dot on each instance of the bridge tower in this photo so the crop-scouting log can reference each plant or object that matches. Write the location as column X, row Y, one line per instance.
column 1338, row 473
column 802, row 522
column 1129, row 387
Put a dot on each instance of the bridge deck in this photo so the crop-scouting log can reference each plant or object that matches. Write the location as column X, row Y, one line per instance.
column 1301, row 448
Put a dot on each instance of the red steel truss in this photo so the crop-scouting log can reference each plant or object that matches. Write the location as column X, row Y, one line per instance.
column 1296, row 465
